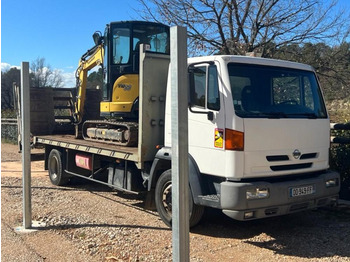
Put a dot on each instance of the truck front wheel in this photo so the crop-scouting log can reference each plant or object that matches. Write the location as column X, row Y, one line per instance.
column 163, row 195
column 56, row 168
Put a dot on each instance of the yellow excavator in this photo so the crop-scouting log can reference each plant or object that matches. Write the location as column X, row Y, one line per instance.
column 117, row 51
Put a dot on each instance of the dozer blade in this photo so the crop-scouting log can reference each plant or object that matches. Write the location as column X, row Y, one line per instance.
column 117, row 133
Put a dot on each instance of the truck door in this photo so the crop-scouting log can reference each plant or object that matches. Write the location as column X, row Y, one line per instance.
column 206, row 119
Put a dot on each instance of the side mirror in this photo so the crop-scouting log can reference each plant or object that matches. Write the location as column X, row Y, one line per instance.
column 97, row 37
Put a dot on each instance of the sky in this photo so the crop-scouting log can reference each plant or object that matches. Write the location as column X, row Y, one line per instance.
column 59, row 30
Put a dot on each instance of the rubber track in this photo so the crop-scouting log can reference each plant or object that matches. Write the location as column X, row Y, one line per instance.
column 131, row 126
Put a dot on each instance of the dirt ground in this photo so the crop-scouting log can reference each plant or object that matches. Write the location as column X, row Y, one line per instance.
column 90, row 222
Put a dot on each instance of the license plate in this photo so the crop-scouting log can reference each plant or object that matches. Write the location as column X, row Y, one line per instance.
column 301, row 191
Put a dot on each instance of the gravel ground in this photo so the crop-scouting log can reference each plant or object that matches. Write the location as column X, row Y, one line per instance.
column 90, row 222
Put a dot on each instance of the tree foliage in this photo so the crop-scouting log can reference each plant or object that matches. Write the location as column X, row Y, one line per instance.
column 307, row 31
column 95, row 79
column 7, row 79
column 332, row 65
column 41, row 75
column 241, row 26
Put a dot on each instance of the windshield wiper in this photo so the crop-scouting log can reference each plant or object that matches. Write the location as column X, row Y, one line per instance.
column 285, row 115
column 275, row 114
column 308, row 115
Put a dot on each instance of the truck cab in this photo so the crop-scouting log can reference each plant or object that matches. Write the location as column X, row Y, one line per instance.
column 258, row 137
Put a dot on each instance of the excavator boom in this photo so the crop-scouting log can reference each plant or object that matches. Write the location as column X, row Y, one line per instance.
column 92, row 58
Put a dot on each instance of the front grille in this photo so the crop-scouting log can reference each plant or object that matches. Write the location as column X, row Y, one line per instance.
column 290, row 167
column 308, row 156
column 282, row 178
column 277, row 158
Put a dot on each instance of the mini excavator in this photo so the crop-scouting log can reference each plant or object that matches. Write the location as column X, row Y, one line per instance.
column 117, row 51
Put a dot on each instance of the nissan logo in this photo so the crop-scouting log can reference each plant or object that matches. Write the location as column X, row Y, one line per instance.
column 296, row 154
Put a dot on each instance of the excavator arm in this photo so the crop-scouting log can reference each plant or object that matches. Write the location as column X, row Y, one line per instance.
column 92, row 58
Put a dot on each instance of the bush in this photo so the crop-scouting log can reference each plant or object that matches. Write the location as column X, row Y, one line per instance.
column 8, row 113
column 339, row 160
column 339, row 157
column 9, row 132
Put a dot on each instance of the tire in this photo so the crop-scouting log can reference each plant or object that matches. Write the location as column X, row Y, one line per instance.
column 163, row 196
column 56, row 168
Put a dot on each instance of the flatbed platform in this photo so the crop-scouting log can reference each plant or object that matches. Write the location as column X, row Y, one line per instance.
column 100, row 148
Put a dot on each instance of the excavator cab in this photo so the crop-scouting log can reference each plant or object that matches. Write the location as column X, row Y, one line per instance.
column 122, row 42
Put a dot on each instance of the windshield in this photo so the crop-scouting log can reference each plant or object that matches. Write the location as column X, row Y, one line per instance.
column 126, row 41
column 155, row 36
column 275, row 92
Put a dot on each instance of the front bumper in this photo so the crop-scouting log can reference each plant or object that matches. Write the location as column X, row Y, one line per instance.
column 235, row 204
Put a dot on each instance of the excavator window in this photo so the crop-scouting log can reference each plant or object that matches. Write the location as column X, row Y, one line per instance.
column 127, row 40
column 157, row 42
column 121, row 50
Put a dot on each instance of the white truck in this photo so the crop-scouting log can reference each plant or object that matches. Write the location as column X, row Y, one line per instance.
column 258, row 140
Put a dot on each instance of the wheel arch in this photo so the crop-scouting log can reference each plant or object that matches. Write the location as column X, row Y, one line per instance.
column 162, row 162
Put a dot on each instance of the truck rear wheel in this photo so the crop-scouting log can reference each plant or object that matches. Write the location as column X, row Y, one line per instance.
column 56, row 168
column 163, row 195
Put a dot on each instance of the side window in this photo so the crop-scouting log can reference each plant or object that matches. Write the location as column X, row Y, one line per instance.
column 199, row 86
column 206, row 87
column 121, row 49
column 213, row 89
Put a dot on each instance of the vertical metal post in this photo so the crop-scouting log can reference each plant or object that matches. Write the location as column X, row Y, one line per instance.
column 179, row 138
column 25, row 113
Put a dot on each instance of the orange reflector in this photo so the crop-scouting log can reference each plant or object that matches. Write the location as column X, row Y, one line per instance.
column 234, row 140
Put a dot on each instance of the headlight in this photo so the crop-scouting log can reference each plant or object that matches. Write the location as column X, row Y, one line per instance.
column 332, row 182
column 257, row 193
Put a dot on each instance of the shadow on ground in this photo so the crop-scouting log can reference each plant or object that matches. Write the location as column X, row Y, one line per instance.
column 307, row 234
